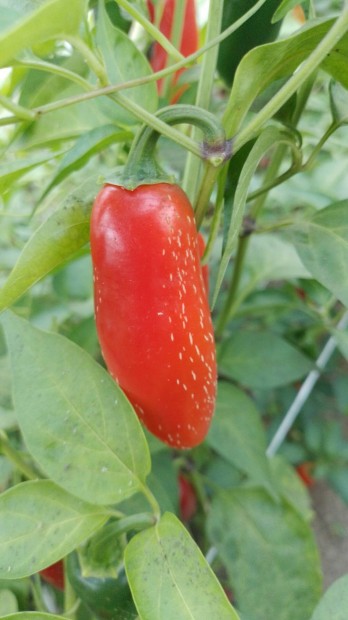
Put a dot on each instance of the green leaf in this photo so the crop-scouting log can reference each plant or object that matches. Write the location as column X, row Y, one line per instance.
column 268, row 138
column 268, row 63
column 269, row 553
column 51, row 19
column 182, row 585
column 85, row 147
column 75, row 420
column 13, row 170
column 262, row 360
column 237, row 434
column 334, row 603
column 268, row 258
column 322, row 244
column 289, row 486
column 339, row 102
column 124, row 62
column 341, row 338
column 55, row 241
column 39, row 524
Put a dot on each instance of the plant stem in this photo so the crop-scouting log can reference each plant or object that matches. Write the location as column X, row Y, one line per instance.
column 23, row 114
column 237, row 273
column 15, row 457
column 205, row 86
column 41, row 65
column 152, row 501
column 210, row 174
column 90, row 58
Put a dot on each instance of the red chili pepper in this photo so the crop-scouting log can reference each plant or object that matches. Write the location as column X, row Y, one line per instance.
column 189, row 40
column 54, row 575
column 304, row 470
column 187, row 499
column 152, row 312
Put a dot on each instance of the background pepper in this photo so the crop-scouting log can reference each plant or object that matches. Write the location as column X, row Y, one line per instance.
column 188, row 45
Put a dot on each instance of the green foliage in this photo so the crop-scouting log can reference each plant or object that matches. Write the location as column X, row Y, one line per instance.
column 71, row 422
column 256, row 536
column 79, row 477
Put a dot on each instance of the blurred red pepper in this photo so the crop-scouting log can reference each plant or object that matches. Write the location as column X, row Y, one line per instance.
column 187, row 499
column 188, row 45
column 54, row 575
column 304, row 471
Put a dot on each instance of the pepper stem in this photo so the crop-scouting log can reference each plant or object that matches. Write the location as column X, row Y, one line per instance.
column 142, row 166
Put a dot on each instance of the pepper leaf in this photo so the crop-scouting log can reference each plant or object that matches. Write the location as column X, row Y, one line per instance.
column 334, row 603
column 322, row 244
column 269, row 552
column 75, row 420
column 182, row 584
column 58, row 238
column 49, row 20
column 39, row 524
column 237, row 434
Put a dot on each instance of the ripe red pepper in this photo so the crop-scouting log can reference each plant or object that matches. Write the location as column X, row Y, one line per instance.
column 152, row 312
column 54, row 574
column 189, row 39
column 187, row 499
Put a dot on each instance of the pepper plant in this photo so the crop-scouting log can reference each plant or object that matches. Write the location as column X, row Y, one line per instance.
column 133, row 486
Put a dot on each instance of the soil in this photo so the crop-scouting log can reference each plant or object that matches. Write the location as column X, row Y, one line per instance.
column 331, row 530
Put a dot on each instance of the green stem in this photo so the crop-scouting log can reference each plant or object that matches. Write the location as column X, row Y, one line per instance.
column 265, row 189
column 294, row 169
column 209, row 176
column 15, row 457
column 152, row 501
column 90, row 58
column 205, row 85
column 41, row 65
column 22, row 113
column 333, row 127
column 236, row 277
column 151, row 29
column 141, row 164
